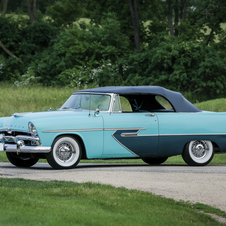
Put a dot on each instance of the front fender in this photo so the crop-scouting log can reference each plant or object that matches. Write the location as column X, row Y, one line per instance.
column 89, row 129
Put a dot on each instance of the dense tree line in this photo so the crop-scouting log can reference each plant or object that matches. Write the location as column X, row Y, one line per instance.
column 178, row 44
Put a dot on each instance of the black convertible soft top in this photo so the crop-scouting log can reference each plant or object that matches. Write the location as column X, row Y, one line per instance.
column 177, row 100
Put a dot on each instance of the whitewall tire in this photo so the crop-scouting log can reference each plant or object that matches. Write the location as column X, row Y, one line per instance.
column 65, row 153
column 198, row 152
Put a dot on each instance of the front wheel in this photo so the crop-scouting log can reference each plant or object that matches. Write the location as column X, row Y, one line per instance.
column 21, row 160
column 198, row 152
column 155, row 161
column 65, row 153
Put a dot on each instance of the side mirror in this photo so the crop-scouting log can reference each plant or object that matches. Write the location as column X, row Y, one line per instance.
column 96, row 113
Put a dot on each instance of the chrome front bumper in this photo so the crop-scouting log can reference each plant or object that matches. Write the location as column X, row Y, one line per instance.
column 20, row 146
column 24, row 149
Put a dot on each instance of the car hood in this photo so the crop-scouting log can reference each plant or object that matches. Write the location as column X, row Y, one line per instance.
column 20, row 121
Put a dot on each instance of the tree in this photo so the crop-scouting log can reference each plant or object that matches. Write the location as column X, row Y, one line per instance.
column 135, row 20
column 65, row 13
column 192, row 18
column 176, row 9
column 131, row 14
column 211, row 14
column 8, row 52
column 32, row 9
column 3, row 6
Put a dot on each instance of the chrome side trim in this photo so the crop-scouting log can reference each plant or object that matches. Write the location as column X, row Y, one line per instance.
column 140, row 128
column 26, row 149
column 85, row 130
column 130, row 134
column 70, row 130
column 136, row 135
column 195, row 134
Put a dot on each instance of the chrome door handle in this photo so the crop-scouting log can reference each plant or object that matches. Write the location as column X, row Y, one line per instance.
column 152, row 115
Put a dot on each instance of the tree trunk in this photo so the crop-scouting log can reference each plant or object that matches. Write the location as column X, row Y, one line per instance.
column 3, row 6
column 183, row 11
column 32, row 10
column 7, row 51
column 176, row 19
column 135, row 21
column 170, row 15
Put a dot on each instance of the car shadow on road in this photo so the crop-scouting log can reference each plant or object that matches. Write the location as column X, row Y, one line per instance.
column 46, row 166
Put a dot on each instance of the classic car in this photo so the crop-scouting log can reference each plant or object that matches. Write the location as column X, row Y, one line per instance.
column 146, row 122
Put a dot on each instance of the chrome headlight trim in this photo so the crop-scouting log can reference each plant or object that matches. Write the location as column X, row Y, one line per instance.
column 32, row 128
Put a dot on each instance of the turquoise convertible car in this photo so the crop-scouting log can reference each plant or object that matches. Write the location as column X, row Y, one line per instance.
column 147, row 122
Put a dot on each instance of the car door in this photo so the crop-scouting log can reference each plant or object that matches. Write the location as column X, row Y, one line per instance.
column 130, row 135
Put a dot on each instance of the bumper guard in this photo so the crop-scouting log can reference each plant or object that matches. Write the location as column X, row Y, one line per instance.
column 20, row 146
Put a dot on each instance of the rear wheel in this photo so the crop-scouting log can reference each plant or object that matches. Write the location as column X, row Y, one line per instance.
column 155, row 161
column 65, row 153
column 198, row 152
column 21, row 160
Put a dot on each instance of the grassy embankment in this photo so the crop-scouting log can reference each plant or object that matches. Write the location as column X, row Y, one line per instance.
column 25, row 202
column 42, row 98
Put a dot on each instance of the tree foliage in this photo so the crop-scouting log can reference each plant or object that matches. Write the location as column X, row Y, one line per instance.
column 25, row 41
column 181, row 44
column 65, row 13
column 82, row 47
column 172, row 63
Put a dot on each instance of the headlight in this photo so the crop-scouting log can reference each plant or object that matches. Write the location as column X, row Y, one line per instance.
column 32, row 128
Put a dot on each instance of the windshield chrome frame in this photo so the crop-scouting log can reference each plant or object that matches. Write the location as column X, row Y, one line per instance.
column 111, row 104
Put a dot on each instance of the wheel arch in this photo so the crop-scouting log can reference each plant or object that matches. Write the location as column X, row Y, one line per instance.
column 215, row 146
column 76, row 136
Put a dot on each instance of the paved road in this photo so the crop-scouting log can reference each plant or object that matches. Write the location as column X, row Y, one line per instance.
column 196, row 184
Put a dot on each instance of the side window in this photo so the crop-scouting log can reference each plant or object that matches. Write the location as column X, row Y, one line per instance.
column 165, row 103
column 117, row 107
column 125, row 104
column 100, row 101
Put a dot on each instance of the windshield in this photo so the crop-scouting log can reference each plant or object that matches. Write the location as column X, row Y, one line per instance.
column 88, row 102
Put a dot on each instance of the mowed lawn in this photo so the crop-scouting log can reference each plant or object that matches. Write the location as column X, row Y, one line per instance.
column 25, row 202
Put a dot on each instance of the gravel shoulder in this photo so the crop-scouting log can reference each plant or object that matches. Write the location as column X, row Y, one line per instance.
column 194, row 184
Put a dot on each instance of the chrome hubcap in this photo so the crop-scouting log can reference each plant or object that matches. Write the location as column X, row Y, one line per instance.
column 65, row 152
column 199, row 149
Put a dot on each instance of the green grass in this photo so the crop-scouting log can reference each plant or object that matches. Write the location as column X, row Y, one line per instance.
column 218, row 105
column 29, row 99
column 25, row 202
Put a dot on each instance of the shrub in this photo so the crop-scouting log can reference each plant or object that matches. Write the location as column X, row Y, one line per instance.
column 81, row 48
column 25, row 41
column 27, row 79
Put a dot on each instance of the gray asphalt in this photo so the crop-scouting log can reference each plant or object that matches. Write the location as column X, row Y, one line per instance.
column 181, row 182
column 9, row 169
